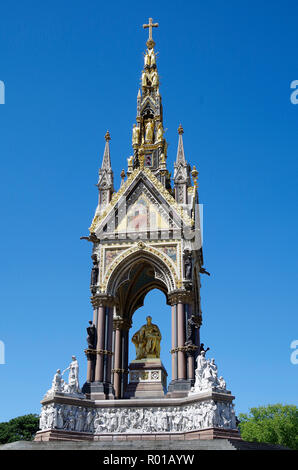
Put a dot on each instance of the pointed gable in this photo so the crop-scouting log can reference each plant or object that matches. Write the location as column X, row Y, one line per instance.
column 143, row 190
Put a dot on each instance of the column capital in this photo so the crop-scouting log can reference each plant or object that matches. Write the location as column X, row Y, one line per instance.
column 180, row 296
column 121, row 324
column 102, row 300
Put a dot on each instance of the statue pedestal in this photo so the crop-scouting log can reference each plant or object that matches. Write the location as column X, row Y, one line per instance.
column 147, row 379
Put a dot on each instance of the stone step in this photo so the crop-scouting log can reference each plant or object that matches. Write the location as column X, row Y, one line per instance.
column 214, row 444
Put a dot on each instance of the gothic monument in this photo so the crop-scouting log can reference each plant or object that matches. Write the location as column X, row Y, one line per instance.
column 146, row 235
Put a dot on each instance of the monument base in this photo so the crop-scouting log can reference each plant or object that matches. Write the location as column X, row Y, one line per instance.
column 206, row 415
column 206, row 434
column 147, row 379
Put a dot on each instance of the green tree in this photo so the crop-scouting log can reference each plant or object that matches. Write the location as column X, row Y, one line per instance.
column 275, row 424
column 22, row 428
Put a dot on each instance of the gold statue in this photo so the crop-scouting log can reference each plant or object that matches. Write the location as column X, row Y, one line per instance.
column 144, row 79
column 147, row 340
column 160, row 132
column 135, row 134
column 130, row 163
column 152, row 57
column 154, row 78
column 147, row 59
column 163, row 161
column 149, row 131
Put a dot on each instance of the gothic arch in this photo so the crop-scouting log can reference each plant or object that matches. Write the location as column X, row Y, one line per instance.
column 164, row 278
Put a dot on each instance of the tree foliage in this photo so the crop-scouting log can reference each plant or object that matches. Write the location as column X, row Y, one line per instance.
column 22, row 428
column 274, row 424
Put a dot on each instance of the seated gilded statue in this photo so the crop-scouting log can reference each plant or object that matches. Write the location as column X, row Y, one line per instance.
column 147, row 341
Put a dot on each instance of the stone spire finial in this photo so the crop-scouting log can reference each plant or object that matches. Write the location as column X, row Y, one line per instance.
column 105, row 175
column 106, row 160
column 180, row 151
column 181, row 171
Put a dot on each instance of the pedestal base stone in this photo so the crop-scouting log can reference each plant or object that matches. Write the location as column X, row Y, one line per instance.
column 147, row 379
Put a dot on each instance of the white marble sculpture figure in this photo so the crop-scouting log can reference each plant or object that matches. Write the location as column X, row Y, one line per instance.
column 73, row 378
column 206, row 376
column 57, row 384
column 70, row 388
column 197, row 416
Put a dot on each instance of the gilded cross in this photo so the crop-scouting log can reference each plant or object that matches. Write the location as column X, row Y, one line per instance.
column 150, row 26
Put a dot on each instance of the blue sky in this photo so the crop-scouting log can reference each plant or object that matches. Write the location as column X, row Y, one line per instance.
column 72, row 71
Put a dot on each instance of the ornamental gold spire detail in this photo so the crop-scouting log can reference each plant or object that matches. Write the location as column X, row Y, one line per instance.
column 149, row 144
column 150, row 43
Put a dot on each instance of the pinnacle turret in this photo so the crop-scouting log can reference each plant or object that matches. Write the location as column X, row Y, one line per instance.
column 106, row 160
column 181, row 171
column 105, row 175
column 180, row 159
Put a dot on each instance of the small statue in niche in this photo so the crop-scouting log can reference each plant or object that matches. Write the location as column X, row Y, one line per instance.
column 188, row 265
column 91, row 338
column 149, row 131
column 135, row 134
column 94, row 271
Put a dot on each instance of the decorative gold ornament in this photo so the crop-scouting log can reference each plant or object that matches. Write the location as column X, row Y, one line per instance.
column 180, row 130
column 142, row 161
column 149, row 131
column 194, row 175
column 162, row 162
column 130, row 164
column 150, row 43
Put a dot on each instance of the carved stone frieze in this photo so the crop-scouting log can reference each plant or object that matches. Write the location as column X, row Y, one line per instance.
column 162, row 419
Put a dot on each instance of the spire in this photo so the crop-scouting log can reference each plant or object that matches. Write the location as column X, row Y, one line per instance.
column 180, row 152
column 105, row 176
column 149, row 144
column 181, row 171
column 106, row 160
